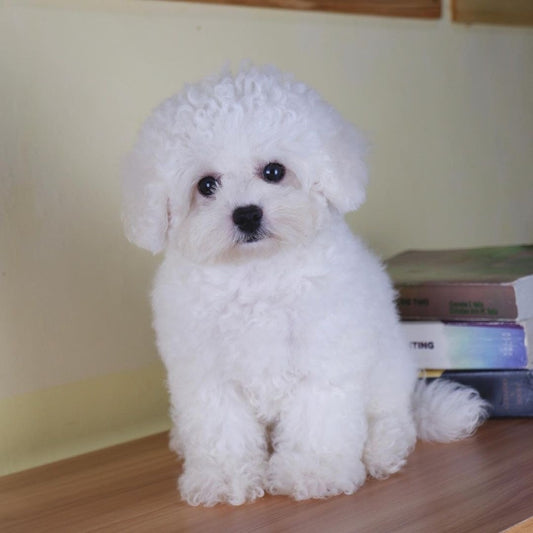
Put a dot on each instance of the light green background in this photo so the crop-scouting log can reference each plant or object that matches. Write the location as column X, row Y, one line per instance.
column 448, row 110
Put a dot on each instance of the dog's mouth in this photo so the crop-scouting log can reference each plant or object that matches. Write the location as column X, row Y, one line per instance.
column 252, row 238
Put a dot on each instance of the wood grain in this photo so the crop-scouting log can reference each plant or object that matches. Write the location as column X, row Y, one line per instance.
column 523, row 527
column 483, row 484
column 508, row 12
column 430, row 9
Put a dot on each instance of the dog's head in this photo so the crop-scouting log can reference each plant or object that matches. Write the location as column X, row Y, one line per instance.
column 238, row 164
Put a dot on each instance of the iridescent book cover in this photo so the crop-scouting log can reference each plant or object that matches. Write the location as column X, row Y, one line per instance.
column 470, row 345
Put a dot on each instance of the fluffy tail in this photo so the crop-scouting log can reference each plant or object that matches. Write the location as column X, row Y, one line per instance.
column 446, row 411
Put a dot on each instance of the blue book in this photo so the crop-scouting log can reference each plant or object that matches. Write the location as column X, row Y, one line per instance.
column 470, row 345
column 509, row 392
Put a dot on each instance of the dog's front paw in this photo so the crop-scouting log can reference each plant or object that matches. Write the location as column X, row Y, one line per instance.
column 210, row 484
column 314, row 476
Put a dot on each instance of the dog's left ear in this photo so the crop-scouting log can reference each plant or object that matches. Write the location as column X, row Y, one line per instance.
column 145, row 204
column 343, row 181
column 153, row 200
column 145, row 188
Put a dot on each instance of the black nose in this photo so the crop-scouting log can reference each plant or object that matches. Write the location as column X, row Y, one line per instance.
column 248, row 218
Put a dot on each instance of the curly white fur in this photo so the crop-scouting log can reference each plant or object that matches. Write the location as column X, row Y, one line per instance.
column 287, row 369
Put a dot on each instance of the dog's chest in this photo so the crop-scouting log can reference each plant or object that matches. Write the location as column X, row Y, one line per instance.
column 255, row 317
column 256, row 322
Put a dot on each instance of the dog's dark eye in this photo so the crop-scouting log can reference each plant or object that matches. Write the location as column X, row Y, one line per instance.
column 207, row 186
column 273, row 172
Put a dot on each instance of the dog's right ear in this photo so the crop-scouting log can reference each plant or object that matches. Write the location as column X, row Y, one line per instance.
column 145, row 211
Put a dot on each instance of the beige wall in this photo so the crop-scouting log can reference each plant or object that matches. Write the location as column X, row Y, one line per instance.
column 448, row 109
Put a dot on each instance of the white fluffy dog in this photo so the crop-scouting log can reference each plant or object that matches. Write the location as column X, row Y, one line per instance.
column 287, row 369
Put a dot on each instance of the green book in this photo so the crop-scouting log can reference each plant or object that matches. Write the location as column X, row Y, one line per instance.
column 491, row 283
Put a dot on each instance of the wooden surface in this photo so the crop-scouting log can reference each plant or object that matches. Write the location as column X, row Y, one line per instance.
column 482, row 484
column 390, row 8
column 508, row 12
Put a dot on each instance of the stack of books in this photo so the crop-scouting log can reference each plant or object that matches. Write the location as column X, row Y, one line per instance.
column 468, row 316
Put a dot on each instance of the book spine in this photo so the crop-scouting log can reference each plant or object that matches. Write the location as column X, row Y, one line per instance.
column 510, row 392
column 456, row 302
column 467, row 345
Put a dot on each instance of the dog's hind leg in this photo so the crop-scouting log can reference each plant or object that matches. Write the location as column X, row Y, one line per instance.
column 391, row 437
column 391, row 425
